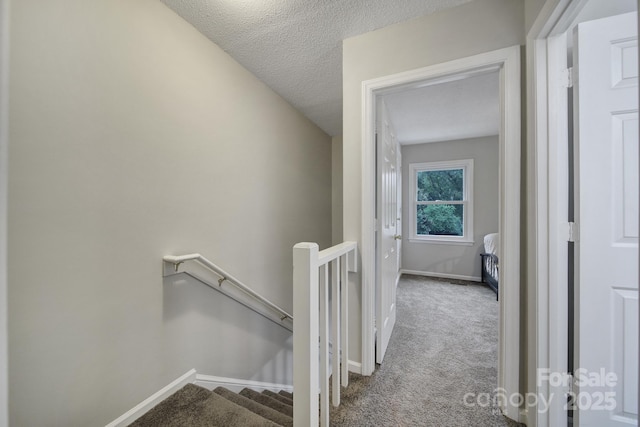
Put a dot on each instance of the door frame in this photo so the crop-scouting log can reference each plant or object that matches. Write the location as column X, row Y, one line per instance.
column 507, row 62
column 548, row 203
column 547, row 150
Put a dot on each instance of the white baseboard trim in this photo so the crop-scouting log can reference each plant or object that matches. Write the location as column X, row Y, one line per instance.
column 210, row 382
column 524, row 417
column 146, row 405
column 442, row 275
column 355, row 367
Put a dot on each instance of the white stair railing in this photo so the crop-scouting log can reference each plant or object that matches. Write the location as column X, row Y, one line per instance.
column 311, row 370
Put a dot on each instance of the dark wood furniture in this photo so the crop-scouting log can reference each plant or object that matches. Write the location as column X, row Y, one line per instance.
column 489, row 268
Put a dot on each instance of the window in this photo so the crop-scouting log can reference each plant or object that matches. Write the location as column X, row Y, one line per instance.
column 442, row 203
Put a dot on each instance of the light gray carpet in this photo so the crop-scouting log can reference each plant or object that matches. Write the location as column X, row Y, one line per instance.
column 194, row 406
column 444, row 345
column 255, row 407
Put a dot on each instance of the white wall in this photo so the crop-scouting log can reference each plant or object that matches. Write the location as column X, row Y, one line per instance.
column 592, row 10
column 336, row 189
column 476, row 27
column 133, row 137
column 595, row 9
column 457, row 260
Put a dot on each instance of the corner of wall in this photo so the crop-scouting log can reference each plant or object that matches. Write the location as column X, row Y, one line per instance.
column 336, row 190
column 4, row 176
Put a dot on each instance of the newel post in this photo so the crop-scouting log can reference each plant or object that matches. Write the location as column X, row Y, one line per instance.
column 305, row 335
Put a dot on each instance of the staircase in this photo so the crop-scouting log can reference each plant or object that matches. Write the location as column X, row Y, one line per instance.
column 320, row 321
column 195, row 406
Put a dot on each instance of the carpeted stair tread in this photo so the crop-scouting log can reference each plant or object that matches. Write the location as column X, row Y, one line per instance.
column 286, row 394
column 194, row 406
column 255, row 407
column 173, row 405
column 278, row 397
column 267, row 401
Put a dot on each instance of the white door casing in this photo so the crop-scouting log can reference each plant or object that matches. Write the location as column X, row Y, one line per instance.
column 606, row 158
column 387, row 246
column 507, row 61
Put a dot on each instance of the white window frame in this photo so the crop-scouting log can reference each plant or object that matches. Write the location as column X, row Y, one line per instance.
column 467, row 167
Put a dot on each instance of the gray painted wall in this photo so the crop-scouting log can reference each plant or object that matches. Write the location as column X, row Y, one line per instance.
column 4, row 175
column 133, row 137
column 532, row 9
column 461, row 260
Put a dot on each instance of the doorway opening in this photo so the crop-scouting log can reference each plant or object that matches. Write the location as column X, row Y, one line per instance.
column 437, row 176
column 506, row 64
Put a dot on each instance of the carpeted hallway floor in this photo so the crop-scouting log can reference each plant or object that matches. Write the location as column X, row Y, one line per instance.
column 444, row 346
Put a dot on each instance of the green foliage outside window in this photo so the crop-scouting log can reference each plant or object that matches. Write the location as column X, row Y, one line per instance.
column 444, row 220
column 443, row 185
column 440, row 186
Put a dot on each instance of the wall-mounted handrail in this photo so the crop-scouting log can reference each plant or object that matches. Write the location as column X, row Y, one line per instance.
column 316, row 274
column 225, row 277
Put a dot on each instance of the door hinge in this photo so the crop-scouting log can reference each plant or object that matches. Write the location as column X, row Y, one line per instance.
column 570, row 386
column 573, row 233
column 573, row 385
column 567, row 77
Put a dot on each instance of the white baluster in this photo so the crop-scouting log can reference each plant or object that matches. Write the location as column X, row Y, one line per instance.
column 324, row 345
column 344, row 333
column 335, row 332
column 305, row 334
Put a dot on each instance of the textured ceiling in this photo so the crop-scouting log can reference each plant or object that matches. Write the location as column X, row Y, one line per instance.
column 459, row 109
column 295, row 46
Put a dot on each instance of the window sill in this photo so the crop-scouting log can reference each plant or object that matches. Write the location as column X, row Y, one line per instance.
column 443, row 241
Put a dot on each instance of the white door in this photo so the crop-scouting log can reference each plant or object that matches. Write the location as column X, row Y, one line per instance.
column 606, row 114
column 386, row 237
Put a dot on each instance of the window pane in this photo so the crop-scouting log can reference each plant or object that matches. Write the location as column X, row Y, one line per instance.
column 440, row 220
column 440, row 185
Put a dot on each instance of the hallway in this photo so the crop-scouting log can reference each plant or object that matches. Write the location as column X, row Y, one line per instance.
column 443, row 353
